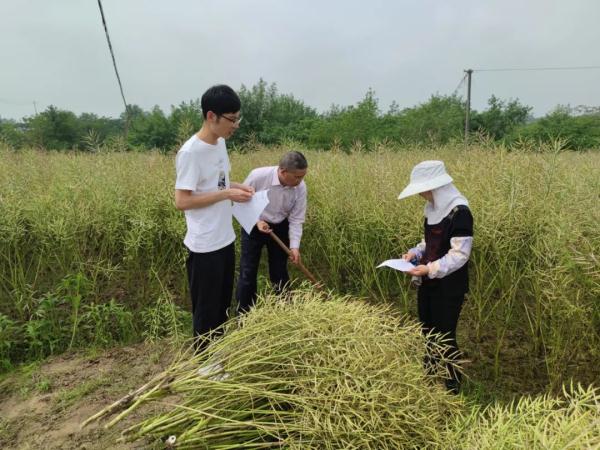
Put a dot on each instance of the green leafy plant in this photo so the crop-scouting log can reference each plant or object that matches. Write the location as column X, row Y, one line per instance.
column 10, row 340
column 47, row 332
column 104, row 325
column 165, row 319
column 74, row 288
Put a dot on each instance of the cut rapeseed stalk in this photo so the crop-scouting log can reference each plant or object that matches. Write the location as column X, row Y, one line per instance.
column 304, row 373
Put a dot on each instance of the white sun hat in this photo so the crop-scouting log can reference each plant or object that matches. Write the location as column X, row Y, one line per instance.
column 426, row 176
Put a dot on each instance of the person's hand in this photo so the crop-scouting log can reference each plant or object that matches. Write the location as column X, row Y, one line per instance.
column 263, row 227
column 245, row 187
column 295, row 256
column 239, row 195
column 419, row 271
column 409, row 256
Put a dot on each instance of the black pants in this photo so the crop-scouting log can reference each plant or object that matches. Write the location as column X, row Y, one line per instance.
column 252, row 245
column 438, row 312
column 210, row 277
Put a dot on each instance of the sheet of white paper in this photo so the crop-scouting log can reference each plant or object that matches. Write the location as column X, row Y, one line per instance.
column 247, row 214
column 398, row 264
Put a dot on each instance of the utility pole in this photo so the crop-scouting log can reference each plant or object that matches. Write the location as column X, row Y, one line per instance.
column 35, row 107
column 469, row 72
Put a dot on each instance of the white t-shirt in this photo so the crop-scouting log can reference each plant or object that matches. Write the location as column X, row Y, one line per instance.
column 202, row 167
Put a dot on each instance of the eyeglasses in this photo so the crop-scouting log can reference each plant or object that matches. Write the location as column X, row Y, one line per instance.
column 233, row 121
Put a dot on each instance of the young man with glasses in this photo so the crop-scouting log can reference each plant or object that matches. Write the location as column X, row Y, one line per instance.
column 203, row 191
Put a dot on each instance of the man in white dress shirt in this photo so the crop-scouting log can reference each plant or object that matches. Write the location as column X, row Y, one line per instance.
column 284, row 216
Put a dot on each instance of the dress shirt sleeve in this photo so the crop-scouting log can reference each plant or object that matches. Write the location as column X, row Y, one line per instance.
column 251, row 179
column 419, row 249
column 297, row 216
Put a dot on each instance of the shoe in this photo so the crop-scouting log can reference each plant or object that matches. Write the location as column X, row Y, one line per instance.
column 452, row 386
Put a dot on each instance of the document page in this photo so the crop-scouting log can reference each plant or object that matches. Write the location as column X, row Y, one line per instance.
column 247, row 214
column 398, row 264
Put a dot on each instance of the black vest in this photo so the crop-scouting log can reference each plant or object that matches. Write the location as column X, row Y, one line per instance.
column 437, row 243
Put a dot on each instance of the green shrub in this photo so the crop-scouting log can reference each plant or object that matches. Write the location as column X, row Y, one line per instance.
column 11, row 340
column 165, row 319
column 105, row 325
column 49, row 329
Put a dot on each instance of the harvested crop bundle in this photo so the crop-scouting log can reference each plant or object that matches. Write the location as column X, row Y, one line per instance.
column 308, row 372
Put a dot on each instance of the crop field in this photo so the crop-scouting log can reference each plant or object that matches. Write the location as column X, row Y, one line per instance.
column 92, row 257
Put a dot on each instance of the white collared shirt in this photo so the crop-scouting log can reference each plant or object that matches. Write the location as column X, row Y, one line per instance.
column 284, row 201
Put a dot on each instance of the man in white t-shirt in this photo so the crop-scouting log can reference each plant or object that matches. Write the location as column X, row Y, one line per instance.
column 284, row 216
column 204, row 192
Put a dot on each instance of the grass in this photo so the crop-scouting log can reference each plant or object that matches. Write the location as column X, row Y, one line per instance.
column 68, row 397
column 25, row 380
column 6, row 430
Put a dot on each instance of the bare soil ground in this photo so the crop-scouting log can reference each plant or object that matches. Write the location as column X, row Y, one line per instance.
column 43, row 405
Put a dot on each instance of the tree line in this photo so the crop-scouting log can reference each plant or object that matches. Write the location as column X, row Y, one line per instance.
column 271, row 117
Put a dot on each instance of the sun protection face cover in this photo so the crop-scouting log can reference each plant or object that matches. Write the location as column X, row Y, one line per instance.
column 445, row 198
column 426, row 176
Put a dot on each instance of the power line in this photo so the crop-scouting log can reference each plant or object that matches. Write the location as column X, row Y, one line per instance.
column 112, row 54
column 462, row 81
column 529, row 69
column 469, row 72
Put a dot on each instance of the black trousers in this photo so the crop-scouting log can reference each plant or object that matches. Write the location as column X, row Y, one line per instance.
column 210, row 277
column 438, row 312
column 252, row 245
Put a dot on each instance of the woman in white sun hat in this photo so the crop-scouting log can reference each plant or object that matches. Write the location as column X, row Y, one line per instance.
column 441, row 257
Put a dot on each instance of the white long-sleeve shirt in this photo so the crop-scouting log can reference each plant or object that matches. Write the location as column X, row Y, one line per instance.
column 457, row 256
column 284, row 201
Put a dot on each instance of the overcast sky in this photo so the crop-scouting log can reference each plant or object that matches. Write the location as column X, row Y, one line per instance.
column 323, row 52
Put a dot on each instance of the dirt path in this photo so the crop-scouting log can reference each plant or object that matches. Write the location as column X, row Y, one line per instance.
column 43, row 405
